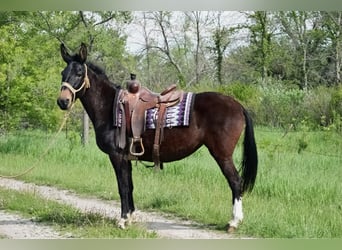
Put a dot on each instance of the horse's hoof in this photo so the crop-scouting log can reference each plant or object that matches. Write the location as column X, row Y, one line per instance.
column 231, row 229
column 121, row 224
column 131, row 219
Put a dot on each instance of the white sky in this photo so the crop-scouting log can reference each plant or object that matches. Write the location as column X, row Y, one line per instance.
column 134, row 30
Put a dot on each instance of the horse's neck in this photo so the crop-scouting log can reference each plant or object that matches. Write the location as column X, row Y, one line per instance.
column 98, row 102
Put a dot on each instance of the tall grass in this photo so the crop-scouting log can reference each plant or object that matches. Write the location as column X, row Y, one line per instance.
column 297, row 192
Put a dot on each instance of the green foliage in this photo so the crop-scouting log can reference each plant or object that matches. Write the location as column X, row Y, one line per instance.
column 247, row 94
column 279, row 106
column 336, row 100
column 27, row 71
column 274, row 105
column 30, row 62
column 242, row 92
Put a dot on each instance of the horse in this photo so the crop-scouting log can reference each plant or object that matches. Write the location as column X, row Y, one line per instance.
column 216, row 121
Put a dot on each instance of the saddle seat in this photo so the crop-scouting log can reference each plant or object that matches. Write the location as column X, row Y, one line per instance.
column 137, row 99
column 170, row 96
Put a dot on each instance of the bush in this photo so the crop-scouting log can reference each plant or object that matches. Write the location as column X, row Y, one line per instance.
column 247, row 94
column 277, row 104
column 317, row 106
column 280, row 106
column 336, row 100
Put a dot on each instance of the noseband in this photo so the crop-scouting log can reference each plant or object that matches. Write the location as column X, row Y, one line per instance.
column 86, row 84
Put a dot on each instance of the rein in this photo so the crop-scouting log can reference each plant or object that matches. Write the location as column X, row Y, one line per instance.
column 86, row 84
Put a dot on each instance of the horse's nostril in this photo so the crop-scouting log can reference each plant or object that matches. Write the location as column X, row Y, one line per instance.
column 66, row 101
column 63, row 103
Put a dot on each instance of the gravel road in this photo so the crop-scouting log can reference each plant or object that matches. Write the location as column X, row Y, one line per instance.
column 166, row 226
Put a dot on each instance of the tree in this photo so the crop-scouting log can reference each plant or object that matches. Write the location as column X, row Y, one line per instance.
column 261, row 39
column 221, row 41
column 332, row 23
column 199, row 21
column 169, row 43
column 25, row 69
column 30, row 65
column 295, row 24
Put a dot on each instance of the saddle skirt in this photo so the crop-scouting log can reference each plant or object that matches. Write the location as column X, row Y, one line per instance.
column 175, row 116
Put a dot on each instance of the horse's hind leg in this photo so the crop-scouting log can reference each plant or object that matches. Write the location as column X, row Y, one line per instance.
column 234, row 180
column 222, row 150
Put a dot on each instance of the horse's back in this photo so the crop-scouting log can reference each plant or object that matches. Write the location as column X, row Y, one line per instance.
column 214, row 108
column 213, row 118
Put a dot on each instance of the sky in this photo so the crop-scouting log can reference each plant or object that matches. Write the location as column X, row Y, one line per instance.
column 134, row 31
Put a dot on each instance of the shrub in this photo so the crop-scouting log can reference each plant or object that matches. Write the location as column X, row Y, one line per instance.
column 281, row 107
column 317, row 106
column 336, row 100
column 247, row 94
column 282, row 104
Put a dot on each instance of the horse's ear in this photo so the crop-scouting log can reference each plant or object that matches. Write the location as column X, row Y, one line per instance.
column 83, row 53
column 65, row 55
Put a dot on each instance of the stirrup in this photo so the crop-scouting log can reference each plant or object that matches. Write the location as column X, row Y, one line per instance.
column 134, row 140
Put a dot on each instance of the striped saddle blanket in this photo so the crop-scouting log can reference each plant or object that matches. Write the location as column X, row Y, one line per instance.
column 175, row 116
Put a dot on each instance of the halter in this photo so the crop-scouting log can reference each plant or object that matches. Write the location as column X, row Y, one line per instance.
column 86, row 84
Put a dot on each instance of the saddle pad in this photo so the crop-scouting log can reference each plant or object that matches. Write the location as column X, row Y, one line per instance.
column 175, row 116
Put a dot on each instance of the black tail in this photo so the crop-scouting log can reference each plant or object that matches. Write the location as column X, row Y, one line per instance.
column 250, row 156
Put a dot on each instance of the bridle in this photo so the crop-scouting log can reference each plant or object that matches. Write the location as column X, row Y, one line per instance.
column 85, row 84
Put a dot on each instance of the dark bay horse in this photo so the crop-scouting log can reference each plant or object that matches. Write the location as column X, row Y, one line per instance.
column 216, row 121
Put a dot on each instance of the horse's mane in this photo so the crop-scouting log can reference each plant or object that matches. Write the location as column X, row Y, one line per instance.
column 98, row 70
column 101, row 73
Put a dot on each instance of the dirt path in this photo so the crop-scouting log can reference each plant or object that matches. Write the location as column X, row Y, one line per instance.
column 13, row 226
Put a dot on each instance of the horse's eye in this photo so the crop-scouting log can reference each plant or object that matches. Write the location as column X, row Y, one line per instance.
column 79, row 72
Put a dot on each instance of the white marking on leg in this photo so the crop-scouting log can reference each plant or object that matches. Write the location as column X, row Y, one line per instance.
column 122, row 223
column 130, row 218
column 237, row 213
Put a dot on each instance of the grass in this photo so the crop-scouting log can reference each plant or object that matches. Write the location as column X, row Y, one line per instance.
column 64, row 218
column 297, row 193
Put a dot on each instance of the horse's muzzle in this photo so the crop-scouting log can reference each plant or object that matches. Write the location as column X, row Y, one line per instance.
column 63, row 103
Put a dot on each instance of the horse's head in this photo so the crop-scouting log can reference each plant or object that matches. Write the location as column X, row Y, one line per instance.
column 74, row 77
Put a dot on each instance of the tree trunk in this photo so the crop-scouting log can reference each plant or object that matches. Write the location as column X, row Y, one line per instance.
column 338, row 48
column 305, row 72
column 198, row 40
column 338, row 63
column 85, row 131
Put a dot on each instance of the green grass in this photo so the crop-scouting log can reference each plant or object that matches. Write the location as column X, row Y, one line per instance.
column 297, row 193
column 66, row 219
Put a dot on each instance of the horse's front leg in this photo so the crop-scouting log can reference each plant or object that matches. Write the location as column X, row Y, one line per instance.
column 123, row 172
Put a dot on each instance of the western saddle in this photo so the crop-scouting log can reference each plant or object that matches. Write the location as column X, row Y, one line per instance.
column 136, row 101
